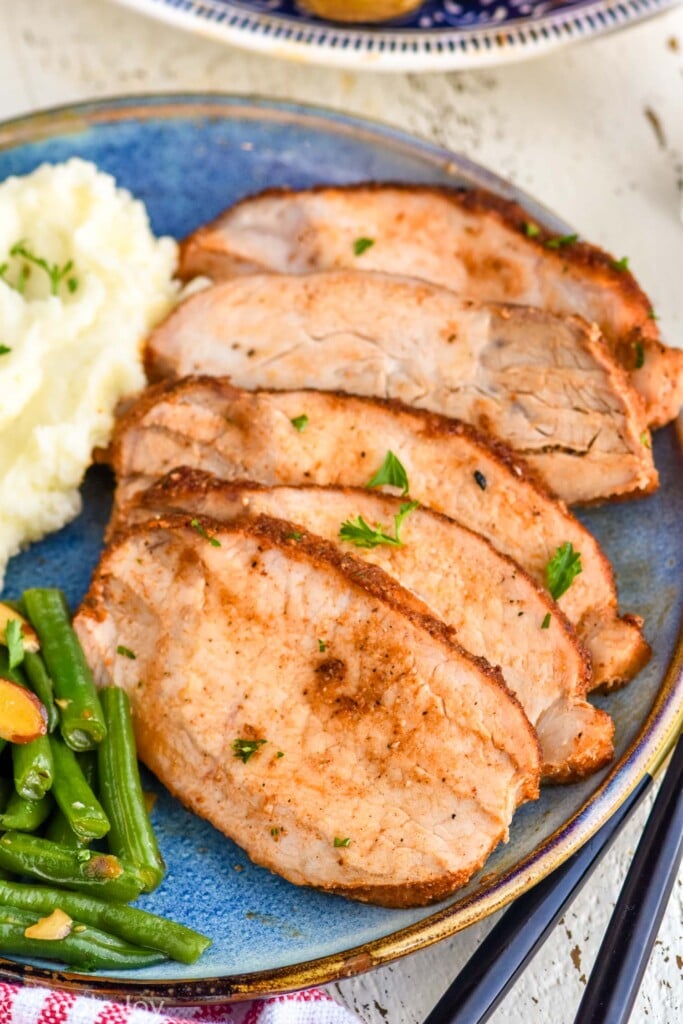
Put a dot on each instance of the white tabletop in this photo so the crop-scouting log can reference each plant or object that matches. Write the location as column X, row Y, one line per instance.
column 595, row 132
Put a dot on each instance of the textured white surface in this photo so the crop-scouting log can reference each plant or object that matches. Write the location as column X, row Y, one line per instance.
column 595, row 132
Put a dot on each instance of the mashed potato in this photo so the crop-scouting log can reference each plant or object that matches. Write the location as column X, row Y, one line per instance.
column 67, row 358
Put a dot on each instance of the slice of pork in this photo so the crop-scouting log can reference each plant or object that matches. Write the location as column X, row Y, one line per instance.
column 205, row 423
column 497, row 611
column 546, row 385
column 476, row 243
column 385, row 762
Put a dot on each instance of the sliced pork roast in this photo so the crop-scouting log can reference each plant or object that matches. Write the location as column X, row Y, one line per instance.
column 546, row 385
column 497, row 611
column 303, row 437
column 476, row 243
column 309, row 707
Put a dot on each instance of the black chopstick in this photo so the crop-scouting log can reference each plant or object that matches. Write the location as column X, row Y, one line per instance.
column 625, row 951
column 511, row 944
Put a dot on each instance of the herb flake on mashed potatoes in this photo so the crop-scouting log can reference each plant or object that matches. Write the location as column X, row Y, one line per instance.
column 70, row 340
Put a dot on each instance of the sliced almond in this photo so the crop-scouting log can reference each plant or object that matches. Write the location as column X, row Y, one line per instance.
column 22, row 717
column 28, row 633
column 57, row 926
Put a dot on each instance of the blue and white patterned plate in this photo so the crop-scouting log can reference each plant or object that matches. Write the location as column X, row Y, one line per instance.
column 187, row 157
column 443, row 35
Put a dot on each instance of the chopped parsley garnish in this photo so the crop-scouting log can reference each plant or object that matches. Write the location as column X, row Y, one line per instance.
column 300, row 422
column 24, row 275
column 652, row 315
column 361, row 245
column 280, row 754
column 294, row 535
column 531, row 230
column 640, row 353
column 322, row 646
column 645, row 439
column 391, row 473
column 621, row 264
column 4, row 349
column 244, row 749
column 562, row 568
column 55, row 273
column 196, row 525
column 546, row 621
column 275, row 832
column 126, row 652
column 560, row 241
column 363, row 535
column 15, row 643
column 341, row 842
column 480, row 479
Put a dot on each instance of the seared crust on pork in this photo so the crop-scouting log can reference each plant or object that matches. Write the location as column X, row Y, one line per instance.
column 495, row 608
column 472, row 241
column 205, row 423
column 385, row 761
column 547, row 385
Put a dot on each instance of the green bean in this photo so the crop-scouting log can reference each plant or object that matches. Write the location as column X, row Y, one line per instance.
column 81, row 720
column 58, row 828
column 74, row 796
column 85, row 947
column 41, row 684
column 87, row 759
column 129, row 923
column 131, row 836
column 33, row 768
column 60, row 831
column 100, row 874
column 32, row 761
column 22, row 815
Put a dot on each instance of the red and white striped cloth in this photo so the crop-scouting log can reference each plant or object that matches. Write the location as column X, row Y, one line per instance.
column 28, row 1005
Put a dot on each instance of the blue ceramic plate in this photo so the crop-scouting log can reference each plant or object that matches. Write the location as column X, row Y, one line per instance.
column 443, row 35
column 187, row 158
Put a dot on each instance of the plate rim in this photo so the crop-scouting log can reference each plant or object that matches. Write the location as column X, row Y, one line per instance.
column 385, row 50
column 645, row 755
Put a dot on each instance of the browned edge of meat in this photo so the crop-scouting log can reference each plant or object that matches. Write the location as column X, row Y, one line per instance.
column 345, row 305
column 431, row 423
column 154, row 744
column 199, row 256
column 610, row 670
column 581, row 734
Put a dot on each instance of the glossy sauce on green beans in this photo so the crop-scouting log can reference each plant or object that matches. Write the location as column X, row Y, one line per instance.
column 129, row 923
column 85, row 947
column 85, row 870
column 81, row 719
column 131, row 836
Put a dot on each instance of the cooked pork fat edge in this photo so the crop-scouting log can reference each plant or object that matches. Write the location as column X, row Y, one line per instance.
column 546, row 385
column 497, row 611
column 305, row 437
column 309, row 707
column 478, row 244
